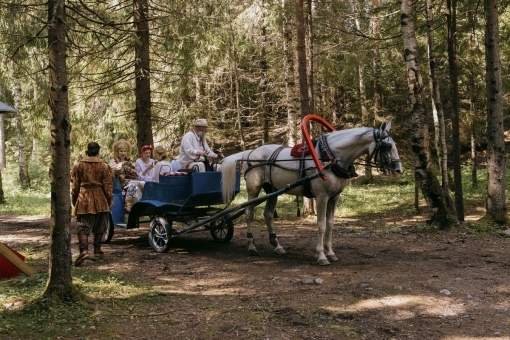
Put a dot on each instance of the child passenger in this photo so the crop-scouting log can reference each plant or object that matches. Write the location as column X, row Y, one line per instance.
column 162, row 163
column 145, row 164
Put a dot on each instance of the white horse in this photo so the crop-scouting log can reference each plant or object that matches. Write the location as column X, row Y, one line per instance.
column 272, row 168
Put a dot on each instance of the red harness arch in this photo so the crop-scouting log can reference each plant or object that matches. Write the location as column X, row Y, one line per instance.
column 308, row 140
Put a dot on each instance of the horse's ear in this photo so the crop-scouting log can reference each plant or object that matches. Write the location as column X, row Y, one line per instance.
column 386, row 126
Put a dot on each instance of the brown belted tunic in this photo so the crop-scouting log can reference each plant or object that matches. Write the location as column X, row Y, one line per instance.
column 91, row 186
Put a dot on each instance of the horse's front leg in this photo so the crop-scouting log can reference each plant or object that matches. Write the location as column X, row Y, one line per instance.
column 330, row 222
column 321, row 229
column 269, row 218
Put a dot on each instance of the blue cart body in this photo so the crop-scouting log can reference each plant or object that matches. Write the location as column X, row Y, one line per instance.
column 179, row 198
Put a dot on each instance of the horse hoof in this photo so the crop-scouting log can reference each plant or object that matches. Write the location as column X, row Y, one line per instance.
column 280, row 251
column 323, row 262
column 332, row 258
column 253, row 252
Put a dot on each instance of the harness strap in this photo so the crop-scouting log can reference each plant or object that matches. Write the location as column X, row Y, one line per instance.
column 272, row 160
column 327, row 154
column 307, row 186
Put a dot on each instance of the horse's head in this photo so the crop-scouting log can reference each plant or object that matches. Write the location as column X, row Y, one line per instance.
column 384, row 150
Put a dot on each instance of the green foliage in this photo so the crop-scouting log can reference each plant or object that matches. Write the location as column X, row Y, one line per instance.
column 35, row 201
column 486, row 225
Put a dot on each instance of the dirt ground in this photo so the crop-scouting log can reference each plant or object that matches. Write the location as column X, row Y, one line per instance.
column 390, row 283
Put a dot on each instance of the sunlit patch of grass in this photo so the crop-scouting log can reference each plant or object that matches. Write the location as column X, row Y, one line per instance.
column 33, row 201
column 28, row 202
column 362, row 199
column 47, row 319
column 485, row 226
column 103, row 286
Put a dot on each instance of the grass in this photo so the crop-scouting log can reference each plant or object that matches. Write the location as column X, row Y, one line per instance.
column 35, row 201
column 47, row 319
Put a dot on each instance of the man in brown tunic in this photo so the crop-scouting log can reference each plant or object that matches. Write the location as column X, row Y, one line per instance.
column 92, row 197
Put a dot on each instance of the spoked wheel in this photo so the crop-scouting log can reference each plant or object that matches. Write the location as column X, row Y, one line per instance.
column 107, row 236
column 222, row 230
column 160, row 232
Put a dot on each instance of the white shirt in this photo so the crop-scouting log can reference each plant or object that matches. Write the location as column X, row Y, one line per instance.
column 140, row 168
column 191, row 145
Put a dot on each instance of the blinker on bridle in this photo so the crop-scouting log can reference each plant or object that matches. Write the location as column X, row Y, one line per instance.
column 382, row 147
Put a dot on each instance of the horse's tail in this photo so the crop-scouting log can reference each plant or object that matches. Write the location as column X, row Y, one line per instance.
column 228, row 174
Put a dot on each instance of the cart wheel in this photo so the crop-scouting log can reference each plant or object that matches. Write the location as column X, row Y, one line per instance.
column 160, row 232
column 107, row 236
column 222, row 231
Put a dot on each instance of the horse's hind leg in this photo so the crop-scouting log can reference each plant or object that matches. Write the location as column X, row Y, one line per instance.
column 269, row 217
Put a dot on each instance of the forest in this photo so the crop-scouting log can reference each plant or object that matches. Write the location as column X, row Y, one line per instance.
column 143, row 70
column 235, row 63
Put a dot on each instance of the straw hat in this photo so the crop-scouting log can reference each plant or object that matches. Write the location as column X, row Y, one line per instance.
column 122, row 143
column 201, row 122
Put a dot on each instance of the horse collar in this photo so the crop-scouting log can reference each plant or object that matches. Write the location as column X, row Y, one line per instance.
column 327, row 154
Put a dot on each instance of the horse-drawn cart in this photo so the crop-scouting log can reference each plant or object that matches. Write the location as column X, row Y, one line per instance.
column 175, row 205
column 193, row 199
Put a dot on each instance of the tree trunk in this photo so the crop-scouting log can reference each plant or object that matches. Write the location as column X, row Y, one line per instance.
column 301, row 53
column 496, row 162
column 2, row 154
column 24, row 179
column 308, row 207
column 365, row 115
column 310, row 47
column 59, row 285
column 437, row 105
column 290, row 80
column 2, row 196
column 233, row 63
column 454, row 93
column 444, row 215
column 266, row 114
column 472, row 117
column 376, row 62
column 376, row 69
column 474, row 179
column 2, row 142
column 143, row 116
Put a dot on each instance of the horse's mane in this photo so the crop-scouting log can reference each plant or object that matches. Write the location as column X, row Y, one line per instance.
column 344, row 135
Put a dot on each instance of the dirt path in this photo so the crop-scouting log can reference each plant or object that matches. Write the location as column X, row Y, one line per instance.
column 389, row 284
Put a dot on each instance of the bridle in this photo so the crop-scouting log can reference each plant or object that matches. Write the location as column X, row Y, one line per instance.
column 382, row 149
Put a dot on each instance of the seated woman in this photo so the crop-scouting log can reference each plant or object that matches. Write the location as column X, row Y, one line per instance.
column 145, row 164
column 125, row 171
column 162, row 163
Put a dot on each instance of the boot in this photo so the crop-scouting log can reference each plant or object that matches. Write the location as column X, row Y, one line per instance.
column 83, row 241
column 98, row 239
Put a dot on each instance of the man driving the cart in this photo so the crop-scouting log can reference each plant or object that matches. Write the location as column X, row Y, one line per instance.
column 194, row 151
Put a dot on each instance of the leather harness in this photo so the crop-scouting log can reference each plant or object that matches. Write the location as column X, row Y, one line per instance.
column 325, row 154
